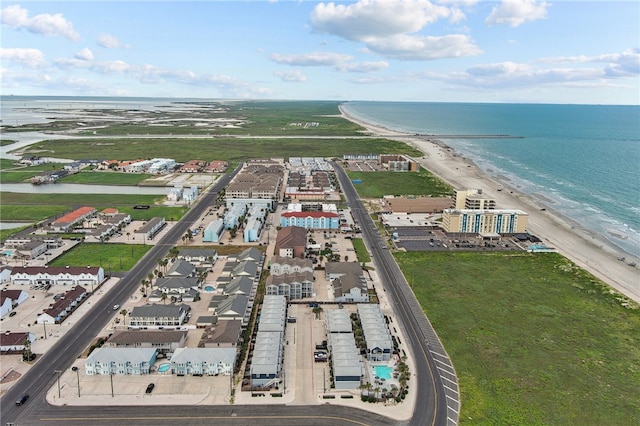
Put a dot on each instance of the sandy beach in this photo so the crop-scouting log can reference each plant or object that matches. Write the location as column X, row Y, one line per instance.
column 587, row 250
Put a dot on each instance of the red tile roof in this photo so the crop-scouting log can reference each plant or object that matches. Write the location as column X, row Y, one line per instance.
column 13, row 339
column 74, row 215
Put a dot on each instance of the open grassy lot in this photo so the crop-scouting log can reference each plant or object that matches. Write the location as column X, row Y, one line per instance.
column 378, row 184
column 13, row 172
column 4, row 142
column 534, row 339
column 106, row 178
column 37, row 207
column 246, row 117
column 232, row 150
column 112, row 257
column 7, row 164
column 361, row 250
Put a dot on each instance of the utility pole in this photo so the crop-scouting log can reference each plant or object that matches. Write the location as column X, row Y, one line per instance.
column 74, row 368
column 58, row 373
column 111, row 376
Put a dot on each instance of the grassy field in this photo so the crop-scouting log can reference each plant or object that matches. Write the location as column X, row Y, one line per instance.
column 106, row 178
column 232, row 150
column 257, row 118
column 114, row 257
column 12, row 172
column 37, row 207
column 361, row 250
column 534, row 339
column 378, row 184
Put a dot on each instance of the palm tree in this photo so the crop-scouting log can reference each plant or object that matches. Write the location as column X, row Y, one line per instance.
column 164, row 298
column 124, row 315
column 317, row 310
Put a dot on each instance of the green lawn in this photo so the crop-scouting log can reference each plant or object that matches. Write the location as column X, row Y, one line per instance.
column 361, row 250
column 534, row 339
column 106, row 178
column 112, row 257
column 379, row 184
column 232, row 150
column 36, row 207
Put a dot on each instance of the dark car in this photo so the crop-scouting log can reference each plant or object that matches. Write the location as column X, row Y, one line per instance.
column 22, row 400
column 150, row 387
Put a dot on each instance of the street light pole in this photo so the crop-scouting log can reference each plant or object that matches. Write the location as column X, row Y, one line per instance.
column 58, row 373
column 111, row 376
column 74, row 368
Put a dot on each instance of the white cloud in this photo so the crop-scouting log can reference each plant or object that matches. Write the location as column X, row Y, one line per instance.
column 84, row 55
column 363, row 67
column 625, row 63
column 313, row 59
column 49, row 25
column 30, row 58
column 517, row 12
column 389, row 27
column 109, row 42
column 410, row 47
column 291, row 76
column 375, row 18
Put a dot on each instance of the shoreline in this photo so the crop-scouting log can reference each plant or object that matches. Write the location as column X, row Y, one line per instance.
column 586, row 249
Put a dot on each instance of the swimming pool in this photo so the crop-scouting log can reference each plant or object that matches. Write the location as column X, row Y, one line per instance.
column 383, row 371
column 163, row 368
column 209, row 288
column 7, row 253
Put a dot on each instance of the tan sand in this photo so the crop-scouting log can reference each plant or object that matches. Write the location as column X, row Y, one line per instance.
column 586, row 249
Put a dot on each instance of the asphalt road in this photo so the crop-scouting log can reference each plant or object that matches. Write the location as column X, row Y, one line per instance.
column 433, row 407
column 61, row 356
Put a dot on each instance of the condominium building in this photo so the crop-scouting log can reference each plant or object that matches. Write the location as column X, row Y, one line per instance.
column 485, row 221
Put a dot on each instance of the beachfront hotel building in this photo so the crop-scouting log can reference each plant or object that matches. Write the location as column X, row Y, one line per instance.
column 484, row 221
column 473, row 199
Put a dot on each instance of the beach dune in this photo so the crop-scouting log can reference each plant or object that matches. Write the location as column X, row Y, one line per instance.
column 587, row 250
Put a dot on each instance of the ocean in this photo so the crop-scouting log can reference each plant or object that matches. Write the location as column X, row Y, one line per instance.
column 585, row 159
column 582, row 161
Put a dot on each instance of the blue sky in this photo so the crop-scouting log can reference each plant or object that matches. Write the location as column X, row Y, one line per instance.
column 388, row 50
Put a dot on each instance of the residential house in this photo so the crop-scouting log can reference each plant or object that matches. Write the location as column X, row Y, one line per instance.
column 286, row 265
column 57, row 275
column 181, row 289
column 67, row 222
column 224, row 334
column 182, row 268
column 158, row 315
column 60, row 310
column 203, row 361
column 164, row 341
column 9, row 299
column 15, row 342
column 120, row 361
column 297, row 285
column 151, row 228
column 291, row 241
column 198, row 256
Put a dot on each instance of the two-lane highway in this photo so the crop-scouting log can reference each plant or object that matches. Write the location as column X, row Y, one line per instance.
column 438, row 401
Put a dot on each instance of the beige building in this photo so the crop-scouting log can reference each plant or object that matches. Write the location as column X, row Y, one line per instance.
column 416, row 205
column 485, row 221
column 473, row 199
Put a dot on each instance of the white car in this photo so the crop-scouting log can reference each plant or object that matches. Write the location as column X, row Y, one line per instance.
column 115, row 307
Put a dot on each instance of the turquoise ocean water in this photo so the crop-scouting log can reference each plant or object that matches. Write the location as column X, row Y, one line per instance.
column 585, row 158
